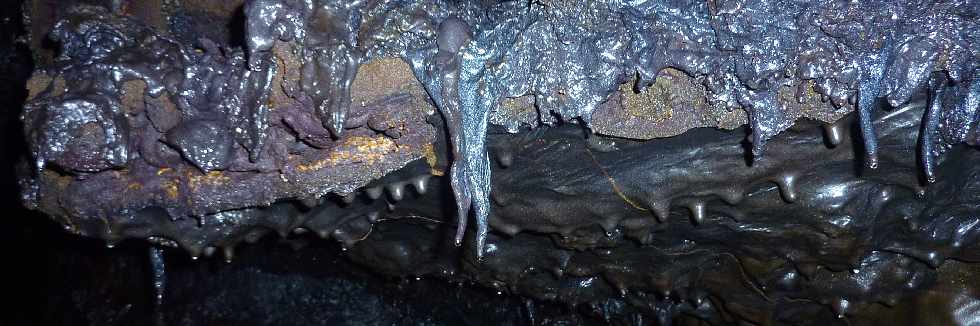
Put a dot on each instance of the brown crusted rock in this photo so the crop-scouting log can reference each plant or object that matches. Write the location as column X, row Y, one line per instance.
column 193, row 132
column 673, row 104
column 677, row 102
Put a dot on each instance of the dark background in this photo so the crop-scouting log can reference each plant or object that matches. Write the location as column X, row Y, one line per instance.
column 27, row 238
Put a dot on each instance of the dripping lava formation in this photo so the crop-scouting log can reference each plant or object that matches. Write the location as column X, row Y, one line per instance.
column 648, row 162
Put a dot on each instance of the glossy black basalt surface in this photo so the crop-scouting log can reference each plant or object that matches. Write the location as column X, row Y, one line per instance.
column 850, row 249
column 136, row 132
column 798, row 240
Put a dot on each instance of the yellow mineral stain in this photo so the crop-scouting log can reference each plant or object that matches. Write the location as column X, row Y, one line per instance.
column 432, row 159
column 172, row 188
column 354, row 149
column 212, row 178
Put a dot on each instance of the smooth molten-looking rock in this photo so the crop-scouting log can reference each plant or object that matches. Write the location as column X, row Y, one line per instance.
column 136, row 131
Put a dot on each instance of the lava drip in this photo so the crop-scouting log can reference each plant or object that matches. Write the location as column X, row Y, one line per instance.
column 869, row 89
column 159, row 268
column 453, row 76
column 328, row 31
column 930, row 127
column 950, row 117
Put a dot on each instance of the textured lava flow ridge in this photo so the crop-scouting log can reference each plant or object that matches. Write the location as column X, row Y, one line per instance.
column 322, row 120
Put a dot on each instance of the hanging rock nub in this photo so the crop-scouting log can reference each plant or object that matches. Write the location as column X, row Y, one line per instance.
column 229, row 252
column 834, row 134
column 610, row 224
column 339, row 234
column 348, row 198
column 111, row 232
column 309, row 202
column 697, row 209
column 421, row 184
column 396, row 191
column 323, row 233
column 346, row 239
column 787, row 187
column 504, row 157
column 732, row 195
column 660, row 209
column 373, row 192
column 840, row 307
column 347, row 244
column 807, row 269
column 373, row 216
column 194, row 251
column 872, row 161
column 623, row 291
column 758, row 146
column 505, row 228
